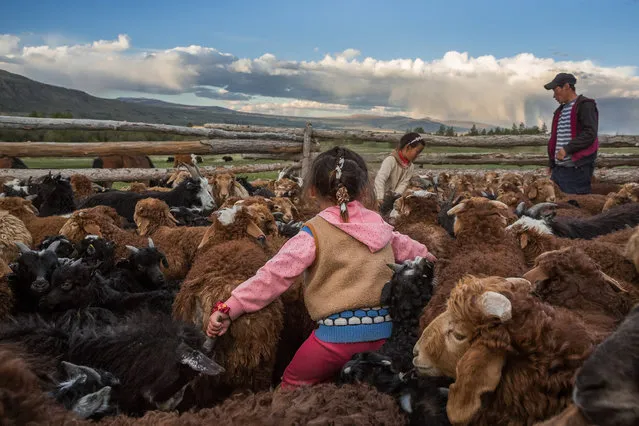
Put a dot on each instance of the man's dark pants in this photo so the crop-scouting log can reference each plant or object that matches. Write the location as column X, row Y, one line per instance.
column 573, row 180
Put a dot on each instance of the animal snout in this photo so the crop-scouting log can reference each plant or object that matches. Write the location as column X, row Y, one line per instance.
column 40, row 285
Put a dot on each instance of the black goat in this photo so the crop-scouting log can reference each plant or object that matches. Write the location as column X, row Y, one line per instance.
column 54, row 196
column 614, row 219
column 31, row 276
column 424, row 399
column 227, row 158
column 388, row 203
column 189, row 217
column 154, row 357
column 443, row 219
column 86, row 391
column 140, row 271
column 243, row 180
column 65, row 247
column 264, row 192
column 406, row 294
column 606, row 389
column 96, row 251
column 192, row 192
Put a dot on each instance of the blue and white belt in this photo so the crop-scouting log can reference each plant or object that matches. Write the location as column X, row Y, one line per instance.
column 359, row 325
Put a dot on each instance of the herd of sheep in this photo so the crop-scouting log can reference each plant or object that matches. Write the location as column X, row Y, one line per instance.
column 527, row 317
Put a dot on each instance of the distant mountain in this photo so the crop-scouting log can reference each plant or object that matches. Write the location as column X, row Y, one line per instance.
column 20, row 96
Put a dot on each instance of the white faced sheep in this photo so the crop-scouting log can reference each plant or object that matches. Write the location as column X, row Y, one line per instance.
column 481, row 247
column 231, row 252
column 513, row 357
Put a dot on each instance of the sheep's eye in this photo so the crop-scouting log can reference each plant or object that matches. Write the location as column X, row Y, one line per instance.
column 457, row 335
column 67, row 285
column 140, row 267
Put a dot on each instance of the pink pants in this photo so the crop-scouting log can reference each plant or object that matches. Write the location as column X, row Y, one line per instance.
column 316, row 361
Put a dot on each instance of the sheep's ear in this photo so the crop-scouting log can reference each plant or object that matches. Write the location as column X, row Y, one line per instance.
column 457, row 209
column 207, row 236
column 198, row 361
column 477, row 372
column 143, row 225
column 93, row 229
column 73, row 370
column 523, row 240
column 520, row 282
column 532, row 192
column 614, row 284
column 92, row 403
column 151, row 244
column 498, row 205
column 394, row 266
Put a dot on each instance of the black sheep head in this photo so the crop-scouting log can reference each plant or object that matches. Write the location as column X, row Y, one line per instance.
column 86, row 391
column 93, row 249
column 145, row 265
column 33, row 270
column 70, row 288
column 372, row 368
column 65, row 248
column 410, row 288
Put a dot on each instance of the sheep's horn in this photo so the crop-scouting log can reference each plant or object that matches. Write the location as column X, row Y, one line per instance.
column 521, row 209
column 23, row 247
column 53, row 246
column 496, row 304
column 537, row 208
column 151, row 245
column 394, row 266
column 132, row 249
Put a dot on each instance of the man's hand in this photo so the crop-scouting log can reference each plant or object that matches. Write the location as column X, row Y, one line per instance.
column 561, row 154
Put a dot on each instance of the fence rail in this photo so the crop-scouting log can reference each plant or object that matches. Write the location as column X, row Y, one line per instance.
column 279, row 144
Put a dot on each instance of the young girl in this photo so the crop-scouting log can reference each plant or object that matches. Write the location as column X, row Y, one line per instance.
column 397, row 169
column 343, row 253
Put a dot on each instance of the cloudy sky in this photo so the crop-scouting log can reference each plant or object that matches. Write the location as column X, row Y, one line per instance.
column 452, row 60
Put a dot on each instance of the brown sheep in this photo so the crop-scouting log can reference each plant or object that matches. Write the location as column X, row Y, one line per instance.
column 22, row 401
column 462, row 184
column 632, row 249
column 513, row 357
column 39, row 227
column 104, row 222
column 82, row 187
column 285, row 206
column 178, row 177
column 179, row 244
column 540, row 190
column 6, row 297
column 629, row 193
column 571, row 416
column 224, row 186
column 415, row 214
column 184, row 158
column 481, row 247
column 231, row 252
column 607, row 250
column 570, row 279
column 12, row 230
column 321, row 405
column 259, row 209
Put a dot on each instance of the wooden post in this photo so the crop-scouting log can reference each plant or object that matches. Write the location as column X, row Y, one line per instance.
column 306, row 149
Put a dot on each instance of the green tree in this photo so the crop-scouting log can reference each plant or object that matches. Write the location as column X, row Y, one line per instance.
column 441, row 131
column 544, row 128
column 450, row 131
column 483, row 132
column 419, row 129
column 473, row 131
column 514, row 130
column 491, row 132
column 522, row 128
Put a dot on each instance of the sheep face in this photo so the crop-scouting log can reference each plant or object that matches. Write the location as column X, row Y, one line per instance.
column 469, row 212
column 65, row 247
column 541, row 190
column 410, row 287
column 422, row 203
column 145, row 265
column 457, row 343
column 286, row 187
column 223, row 186
column 606, row 388
column 35, row 268
column 70, row 288
column 200, row 191
column 151, row 213
column 19, row 207
column 263, row 218
column 284, row 206
column 629, row 193
column 232, row 223
column 510, row 182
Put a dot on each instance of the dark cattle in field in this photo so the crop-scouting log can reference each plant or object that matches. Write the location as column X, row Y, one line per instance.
column 11, row 163
column 124, row 162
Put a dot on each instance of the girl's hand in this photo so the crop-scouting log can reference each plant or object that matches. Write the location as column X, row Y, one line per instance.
column 218, row 324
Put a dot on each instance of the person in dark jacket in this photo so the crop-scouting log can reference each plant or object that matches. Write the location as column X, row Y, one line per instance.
column 573, row 144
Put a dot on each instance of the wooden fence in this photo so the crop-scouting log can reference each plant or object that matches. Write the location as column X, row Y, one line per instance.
column 292, row 147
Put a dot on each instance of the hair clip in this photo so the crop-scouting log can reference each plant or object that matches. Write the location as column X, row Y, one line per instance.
column 417, row 139
column 338, row 168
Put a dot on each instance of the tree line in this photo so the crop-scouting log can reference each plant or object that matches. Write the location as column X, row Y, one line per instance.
column 522, row 129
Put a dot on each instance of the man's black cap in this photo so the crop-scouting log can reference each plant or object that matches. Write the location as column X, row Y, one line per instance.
column 560, row 79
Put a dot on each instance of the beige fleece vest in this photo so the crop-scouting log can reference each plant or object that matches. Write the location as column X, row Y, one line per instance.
column 345, row 274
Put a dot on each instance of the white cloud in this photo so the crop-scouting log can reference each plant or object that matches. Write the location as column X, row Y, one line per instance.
column 8, row 44
column 455, row 86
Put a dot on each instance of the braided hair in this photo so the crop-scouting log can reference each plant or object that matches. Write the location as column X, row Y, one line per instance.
column 341, row 175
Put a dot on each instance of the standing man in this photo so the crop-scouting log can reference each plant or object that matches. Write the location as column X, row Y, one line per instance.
column 573, row 144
